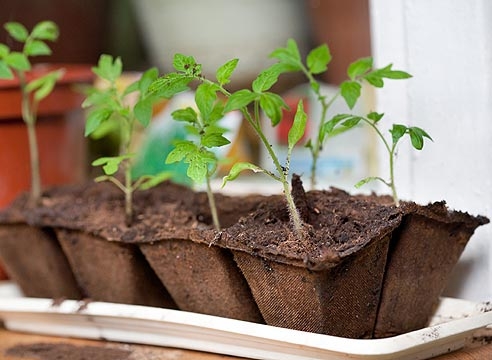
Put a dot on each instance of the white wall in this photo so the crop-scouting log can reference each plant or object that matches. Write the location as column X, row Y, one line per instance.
column 447, row 46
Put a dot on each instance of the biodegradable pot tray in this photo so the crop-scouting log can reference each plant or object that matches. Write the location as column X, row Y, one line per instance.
column 453, row 322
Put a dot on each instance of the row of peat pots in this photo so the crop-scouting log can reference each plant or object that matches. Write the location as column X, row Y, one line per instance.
column 361, row 268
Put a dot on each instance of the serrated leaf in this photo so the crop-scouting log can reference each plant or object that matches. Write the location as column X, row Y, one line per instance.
column 374, row 79
column 239, row 167
column 417, row 136
column 240, row 99
column 205, row 97
column 318, row 59
column 108, row 68
column 224, row 72
column 397, row 131
column 188, row 114
column 45, row 30
column 350, row 91
column 181, row 150
column 18, row 61
column 198, row 165
column 266, row 79
column 183, row 62
column 95, row 119
column 298, row 128
column 289, row 55
column 359, row 67
column 17, row 31
column 329, row 127
column 5, row 72
column 214, row 140
column 169, row 85
column 374, row 116
column 273, row 104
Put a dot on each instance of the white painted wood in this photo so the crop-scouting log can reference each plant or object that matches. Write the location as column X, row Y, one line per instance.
column 447, row 46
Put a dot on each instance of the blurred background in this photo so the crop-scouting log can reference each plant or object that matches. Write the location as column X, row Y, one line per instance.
column 445, row 44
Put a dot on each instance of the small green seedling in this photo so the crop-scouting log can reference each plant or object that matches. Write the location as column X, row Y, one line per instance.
column 256, row 99
column 33, row 91
column 109, row 103
column 416, row 134
column 316, row 63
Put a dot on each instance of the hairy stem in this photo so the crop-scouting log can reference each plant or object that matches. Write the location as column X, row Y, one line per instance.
column 128, row 194
column 211, row 203
column 29, row 117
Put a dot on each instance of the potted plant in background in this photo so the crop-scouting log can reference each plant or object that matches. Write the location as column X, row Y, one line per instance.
column 42, row 100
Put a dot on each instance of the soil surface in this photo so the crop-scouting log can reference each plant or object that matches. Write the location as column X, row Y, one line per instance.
column 336, row 225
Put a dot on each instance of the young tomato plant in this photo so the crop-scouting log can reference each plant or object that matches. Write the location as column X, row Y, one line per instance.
column 259, row 98
column 397, row 131
column 109, row 102
column 317, row 62
column 33, row 91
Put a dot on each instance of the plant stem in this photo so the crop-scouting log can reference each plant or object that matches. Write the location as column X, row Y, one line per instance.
column 213, row 207
column 28, row 115
column 128, row 194
column 293, row 212
column 391, row 153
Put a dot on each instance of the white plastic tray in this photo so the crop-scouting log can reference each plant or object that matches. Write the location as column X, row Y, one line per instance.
column 455, row 320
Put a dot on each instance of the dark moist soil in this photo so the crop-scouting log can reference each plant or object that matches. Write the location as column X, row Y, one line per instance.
column 337, row 225
column 167, row 211
column 50, row 351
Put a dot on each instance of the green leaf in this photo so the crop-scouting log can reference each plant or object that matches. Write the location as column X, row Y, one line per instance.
column 198, row 164
column 240, row 99
column 181, row 150
column 143, row 110
column 18, row 61
column 95, row 119
column 397, row 131
column 289, row 55
column 368, row 180
column 374, row 79
column 266, row 79
column 45, row 30
column 111, row 164
column 374, row 116
column 237, row 168
column 205, row 97
column 273, row 104
column 44, row 85
column 108, row 68
column 352, row 121
column 4, row 51
column 36, row 48
column 350, row 91
column 214, row 140
column 359, row 67
column 184, row 63
column 17, row 31
column 389, row 73
column 329, row 126
column 148, row 77
column 188, row 114
column 318, row 59
column 5, row 72
column 417, row 137
column 154, row 180
column 225, row 71
column 169, row 85
column 298, row 128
